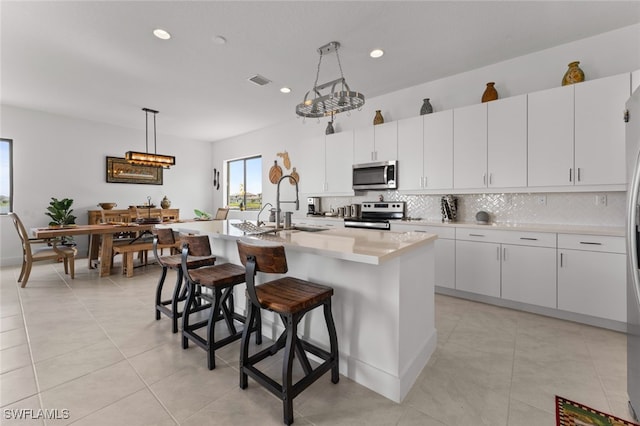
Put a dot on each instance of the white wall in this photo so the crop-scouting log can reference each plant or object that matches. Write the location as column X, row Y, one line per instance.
column 600, row 56
column 56, row 156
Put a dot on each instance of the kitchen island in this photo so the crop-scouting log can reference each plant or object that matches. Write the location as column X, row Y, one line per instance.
column 383, row 304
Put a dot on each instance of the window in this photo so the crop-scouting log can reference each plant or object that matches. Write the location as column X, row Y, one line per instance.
column 244, row 183
column 6, row 176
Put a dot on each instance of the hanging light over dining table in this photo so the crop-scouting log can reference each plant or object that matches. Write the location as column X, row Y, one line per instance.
column 146, row 158
column 340, row 97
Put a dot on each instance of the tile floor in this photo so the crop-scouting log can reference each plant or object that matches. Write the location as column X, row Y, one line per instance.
column 91, row 346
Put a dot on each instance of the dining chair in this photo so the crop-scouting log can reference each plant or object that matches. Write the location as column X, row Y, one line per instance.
column 52, row 251
column 221, row 214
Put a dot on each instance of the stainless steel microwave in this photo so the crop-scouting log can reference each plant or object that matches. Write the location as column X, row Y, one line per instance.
column 380, row 175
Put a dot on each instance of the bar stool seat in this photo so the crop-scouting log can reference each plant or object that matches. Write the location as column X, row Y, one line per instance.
column 166, row 237
column 291, row 298
column 220, row 280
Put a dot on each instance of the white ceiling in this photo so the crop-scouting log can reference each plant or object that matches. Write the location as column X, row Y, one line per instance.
column 99, row 60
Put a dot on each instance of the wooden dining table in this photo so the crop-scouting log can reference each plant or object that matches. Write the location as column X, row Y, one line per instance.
column 100, row 236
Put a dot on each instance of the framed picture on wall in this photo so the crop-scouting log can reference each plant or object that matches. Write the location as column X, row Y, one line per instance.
column 120, row 171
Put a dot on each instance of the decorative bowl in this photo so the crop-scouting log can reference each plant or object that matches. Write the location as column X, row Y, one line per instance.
column 107, row 206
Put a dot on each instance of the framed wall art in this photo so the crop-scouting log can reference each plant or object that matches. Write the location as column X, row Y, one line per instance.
column 120, row 171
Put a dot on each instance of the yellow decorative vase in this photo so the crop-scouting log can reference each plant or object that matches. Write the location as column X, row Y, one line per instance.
column 378, row 119
column 573, row 75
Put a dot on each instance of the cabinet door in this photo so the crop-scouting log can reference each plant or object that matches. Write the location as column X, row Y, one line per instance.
column 385, row 138
column 445, row 263
column 311, row 166
column 438, row 150
column 529, row 275
column 470, row 146
column 478, row 267
column 550, row 137
column 600, row 130
column 593, row 283
column 507, row 142
column 363, row 145
column 410, row 154
column 339, row 162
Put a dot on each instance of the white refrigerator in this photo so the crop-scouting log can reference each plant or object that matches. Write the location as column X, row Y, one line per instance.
column 632, row 118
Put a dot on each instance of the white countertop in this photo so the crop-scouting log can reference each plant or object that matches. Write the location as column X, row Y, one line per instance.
column 613, row 231
column 357, row 245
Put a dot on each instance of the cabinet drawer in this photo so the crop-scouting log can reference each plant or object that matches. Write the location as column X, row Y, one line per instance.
column 592, row 243
column 480, row 234
column 536, row 239
column 440, row 231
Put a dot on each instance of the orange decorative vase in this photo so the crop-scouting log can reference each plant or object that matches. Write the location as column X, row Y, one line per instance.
column 378, row 119
column 490, row 93
column 573, row 75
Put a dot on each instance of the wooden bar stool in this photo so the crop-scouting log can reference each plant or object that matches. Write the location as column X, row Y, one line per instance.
column 165, row 237
column 291, row 298
column 220, row 280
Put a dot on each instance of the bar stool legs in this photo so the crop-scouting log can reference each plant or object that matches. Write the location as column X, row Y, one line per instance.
column 291, row 298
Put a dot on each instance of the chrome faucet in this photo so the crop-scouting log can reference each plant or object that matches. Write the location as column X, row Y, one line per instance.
column 258, row 223
column 278, row 202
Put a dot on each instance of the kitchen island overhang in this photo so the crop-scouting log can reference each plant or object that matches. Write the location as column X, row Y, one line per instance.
column 383, row 304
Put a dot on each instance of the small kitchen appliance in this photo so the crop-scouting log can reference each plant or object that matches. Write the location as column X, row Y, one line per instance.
column 377, row 215
column 379, row 175
column 313, row 206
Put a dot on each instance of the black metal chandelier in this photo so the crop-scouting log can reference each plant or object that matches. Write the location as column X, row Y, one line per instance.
column 146, row 158
column 340, row 97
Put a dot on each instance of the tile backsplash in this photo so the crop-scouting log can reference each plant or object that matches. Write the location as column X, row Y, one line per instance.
column 574, row 208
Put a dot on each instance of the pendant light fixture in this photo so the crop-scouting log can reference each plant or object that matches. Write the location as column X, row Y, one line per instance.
column 340, row 97
column 147, row 158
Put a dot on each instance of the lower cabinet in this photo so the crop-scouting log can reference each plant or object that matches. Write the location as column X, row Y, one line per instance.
column 478, row 267
column 529, row 275
column 592, row 276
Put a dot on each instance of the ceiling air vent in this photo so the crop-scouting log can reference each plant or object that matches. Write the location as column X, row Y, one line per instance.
column 259, row 80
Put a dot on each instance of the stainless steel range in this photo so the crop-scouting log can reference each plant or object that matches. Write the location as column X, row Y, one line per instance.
column 377, row 214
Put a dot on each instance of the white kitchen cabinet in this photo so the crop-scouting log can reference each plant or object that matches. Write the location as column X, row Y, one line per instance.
column 325, row 168
column 550, row 137
column 445, row 247
column 529, row 275
column 600, row 130
column 376, row 143
column 310, row 166
column 339, row 162
column 470, row 147
column 576, row 133
column 438, row 150
column 507, row 142
column 478, row 267
column 410, row 154
column 592, row 276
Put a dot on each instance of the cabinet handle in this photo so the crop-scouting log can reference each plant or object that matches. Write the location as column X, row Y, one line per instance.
column 504, row 254
column 578, row 178
column 561, row 259
column 425, row 182
column 570, row 175
column 528, row 239
column 476, row 235
column 590, row 243
column 490, row 178
column 484, row 179
column 498, row 253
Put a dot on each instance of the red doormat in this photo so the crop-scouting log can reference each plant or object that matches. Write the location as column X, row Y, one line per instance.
column 569, row 413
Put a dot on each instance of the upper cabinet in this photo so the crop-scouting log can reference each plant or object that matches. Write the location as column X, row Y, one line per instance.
column 325, row 168
column 507, row 142
column 576, row 133
column 376, row 143
column 600, row 130
column 410, row 154
column 470, row 147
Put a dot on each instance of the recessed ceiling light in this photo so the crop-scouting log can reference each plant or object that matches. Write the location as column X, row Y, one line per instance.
column 376, row 53
column 219, row 40
column 161, row 34
column 285, row 90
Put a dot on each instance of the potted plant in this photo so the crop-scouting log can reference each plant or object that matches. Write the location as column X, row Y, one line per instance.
column 60, row 212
